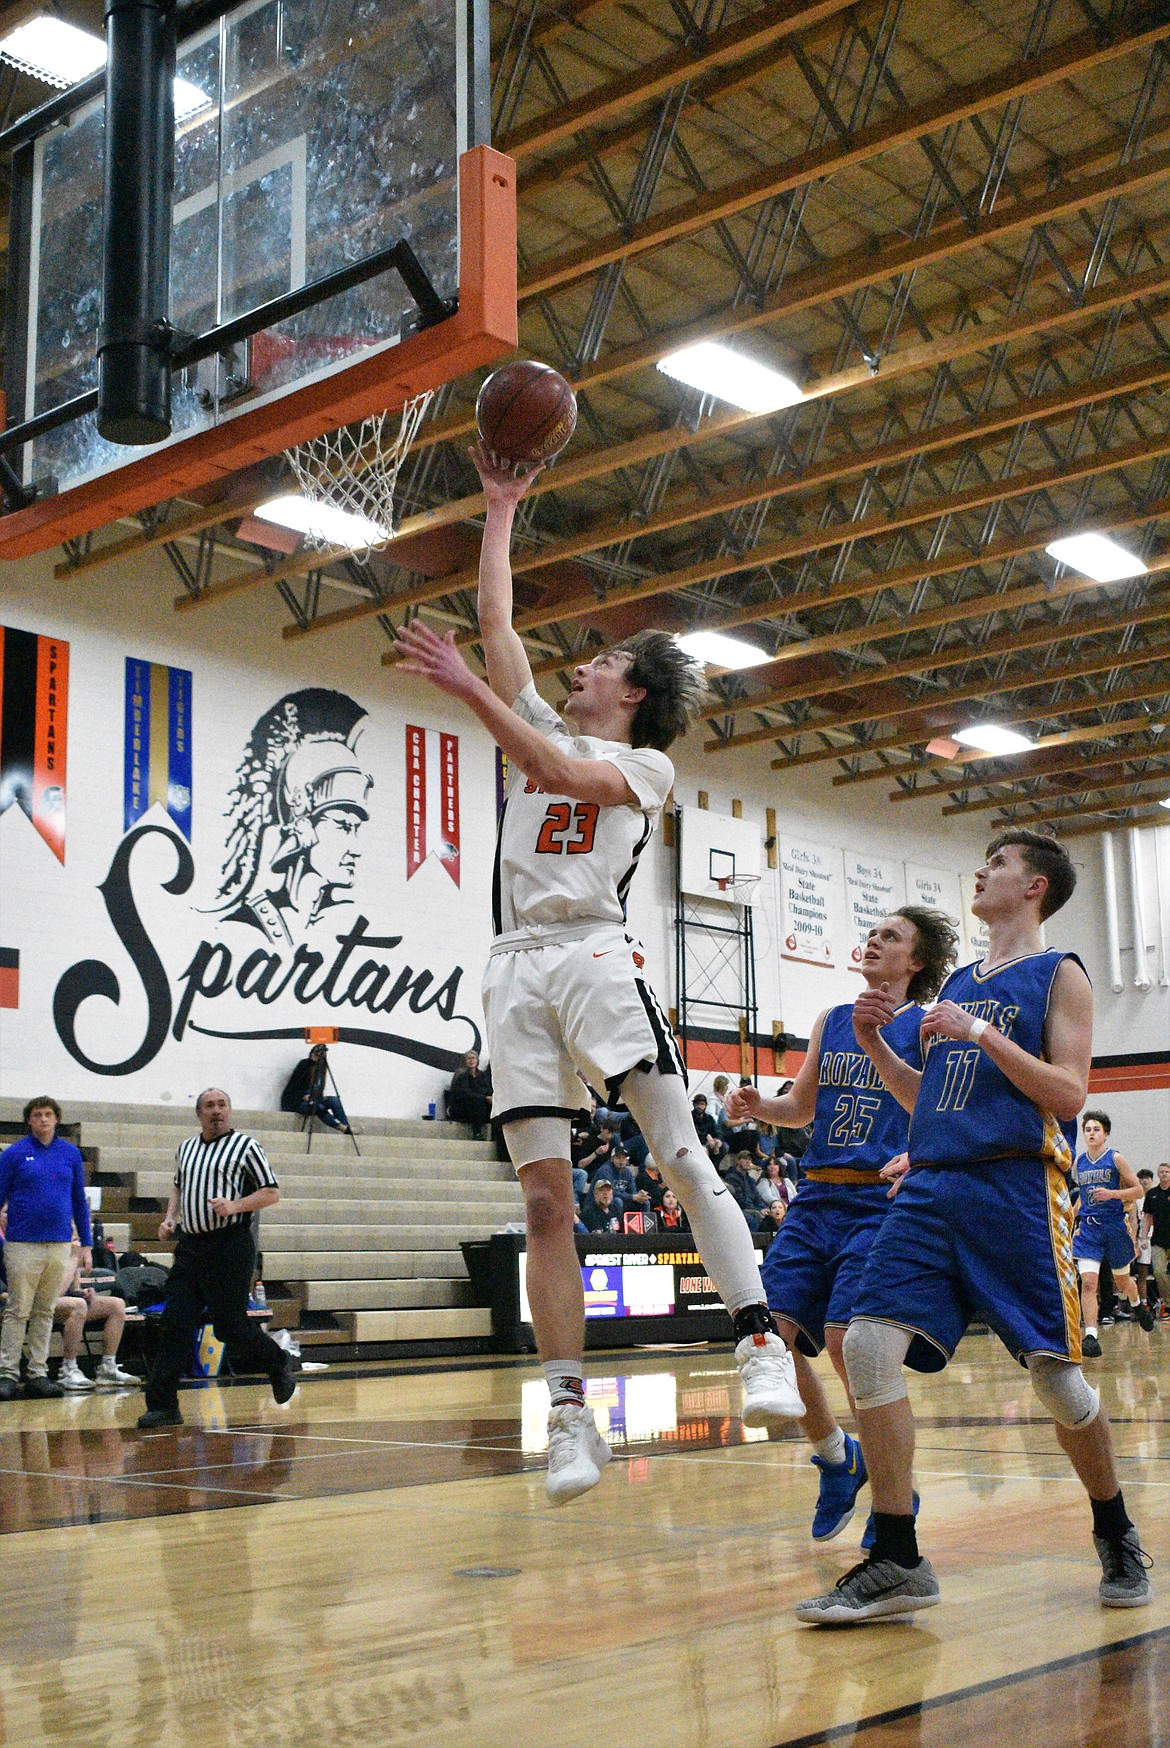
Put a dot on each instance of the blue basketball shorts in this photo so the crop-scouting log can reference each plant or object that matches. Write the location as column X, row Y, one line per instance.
column 1105, row 1242
column 814, row 1264
column 986, row 1242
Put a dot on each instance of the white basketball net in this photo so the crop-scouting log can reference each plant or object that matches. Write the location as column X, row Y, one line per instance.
column 350, row 474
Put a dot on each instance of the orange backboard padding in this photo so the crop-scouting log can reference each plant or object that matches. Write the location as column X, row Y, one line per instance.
column 483, row 329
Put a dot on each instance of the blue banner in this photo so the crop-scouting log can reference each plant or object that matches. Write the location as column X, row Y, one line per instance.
column 157, row 755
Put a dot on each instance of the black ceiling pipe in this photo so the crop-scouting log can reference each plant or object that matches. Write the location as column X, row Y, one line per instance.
column 134, row 375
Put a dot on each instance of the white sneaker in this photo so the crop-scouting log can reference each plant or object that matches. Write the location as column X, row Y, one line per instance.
column 769, row 1381
column 577, row 1453
column 110, row 1376
column 71, row 1377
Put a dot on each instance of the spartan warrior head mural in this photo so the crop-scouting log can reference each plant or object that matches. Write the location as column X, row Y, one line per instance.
column 296, row 814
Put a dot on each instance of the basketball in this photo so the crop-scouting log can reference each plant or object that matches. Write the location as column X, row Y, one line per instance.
column 526, row 412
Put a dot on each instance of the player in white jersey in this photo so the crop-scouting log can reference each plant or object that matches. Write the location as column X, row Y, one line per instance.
column 564, row 988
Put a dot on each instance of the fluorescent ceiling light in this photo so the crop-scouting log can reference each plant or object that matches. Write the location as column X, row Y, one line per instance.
column 1096, row 556
column 989, row 737
column 189, row 100
column 323, row 522
column 50, row 49
column 60, row 54
column 730, row 376
column 722, row 652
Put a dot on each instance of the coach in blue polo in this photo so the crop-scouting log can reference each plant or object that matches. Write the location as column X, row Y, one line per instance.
column 42, row 1187
column 221, row 1179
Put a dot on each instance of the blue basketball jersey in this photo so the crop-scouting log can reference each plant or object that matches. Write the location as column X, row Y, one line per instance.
column 858, row 1125
column 1099, row 1174
column 967, row 1109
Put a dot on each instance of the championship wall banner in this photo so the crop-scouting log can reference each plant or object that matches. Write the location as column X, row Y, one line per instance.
column 157, row 765
column 34, row 720
column 810, row 897
column 432, row 799
column 873, row 888
column 936, row 888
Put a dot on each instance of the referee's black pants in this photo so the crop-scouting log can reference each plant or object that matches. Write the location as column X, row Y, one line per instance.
column 211, row 1275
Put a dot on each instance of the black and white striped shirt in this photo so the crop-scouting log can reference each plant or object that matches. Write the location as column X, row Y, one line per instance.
column 232, row 1166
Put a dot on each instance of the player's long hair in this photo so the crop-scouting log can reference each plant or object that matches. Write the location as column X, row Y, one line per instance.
column 937, row 947
column 675, row 688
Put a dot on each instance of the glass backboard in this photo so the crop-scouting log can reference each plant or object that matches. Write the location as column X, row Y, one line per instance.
column 307, row 138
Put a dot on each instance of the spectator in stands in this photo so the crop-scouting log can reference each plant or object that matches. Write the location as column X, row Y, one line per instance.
column 1141, row 1267
column 76, row 1307
column 742, row 1185
column 671, row 1214
column 649, row 1188
column 772, row 1185
column 606, row 1137
column 469, row 1096
column 304, row 1092
column 720, row 1087
column 772, row 1218
column 602, row 1211
column 706, row 1127
column 42, row 1185
column 584, row 1134
column 619, row 1172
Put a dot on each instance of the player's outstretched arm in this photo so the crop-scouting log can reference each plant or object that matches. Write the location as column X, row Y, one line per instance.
column 1057, row 1082
column 873, row 1009
column 792, row 1109
column 508, row 667
column 1130, row 1189
column 436, row 659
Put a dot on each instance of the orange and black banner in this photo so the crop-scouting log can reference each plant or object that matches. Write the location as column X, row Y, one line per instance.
column 34, row 714
column 9, row 977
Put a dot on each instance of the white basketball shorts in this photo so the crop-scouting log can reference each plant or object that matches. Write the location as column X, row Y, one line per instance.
column 554, row 1009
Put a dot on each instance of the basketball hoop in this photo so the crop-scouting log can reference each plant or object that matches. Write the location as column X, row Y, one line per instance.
column 738, row 889
column 354, row 471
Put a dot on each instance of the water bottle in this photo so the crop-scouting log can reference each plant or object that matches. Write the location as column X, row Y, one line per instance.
column 259, row 1296
column 431, row 1111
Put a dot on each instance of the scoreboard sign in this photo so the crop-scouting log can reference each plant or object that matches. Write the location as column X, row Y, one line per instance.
column 638, row 1289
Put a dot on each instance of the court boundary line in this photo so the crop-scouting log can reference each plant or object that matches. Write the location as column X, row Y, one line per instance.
column 915, row 1708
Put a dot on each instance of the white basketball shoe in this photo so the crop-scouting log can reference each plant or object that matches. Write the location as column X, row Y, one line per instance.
column 577, row 1453
column 769, row 1381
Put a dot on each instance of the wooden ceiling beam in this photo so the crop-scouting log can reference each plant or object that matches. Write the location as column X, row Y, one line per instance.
column 1005, row 643
column 1104, row 761
column 781, row 696
column 759, row 31
column 972, row 756
column 1160, row 689
column 848, row 273
column 1111, row 825
column 1129, row 782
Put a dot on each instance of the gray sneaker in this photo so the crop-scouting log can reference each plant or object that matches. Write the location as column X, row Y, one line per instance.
column 1124, row 1565
column 874, row 1590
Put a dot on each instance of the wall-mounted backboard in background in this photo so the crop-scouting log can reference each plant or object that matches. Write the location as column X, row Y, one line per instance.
column 715, row 846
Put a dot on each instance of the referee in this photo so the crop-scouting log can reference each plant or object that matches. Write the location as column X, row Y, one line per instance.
column 221, row 1179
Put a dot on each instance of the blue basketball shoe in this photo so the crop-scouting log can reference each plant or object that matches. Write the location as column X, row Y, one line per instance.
column 870, row 1535
column 837, row 1495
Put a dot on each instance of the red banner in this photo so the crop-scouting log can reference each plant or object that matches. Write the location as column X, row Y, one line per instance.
column 432, row 770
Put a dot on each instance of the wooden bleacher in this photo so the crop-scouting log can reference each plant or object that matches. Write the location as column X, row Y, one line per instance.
column 359, row 1251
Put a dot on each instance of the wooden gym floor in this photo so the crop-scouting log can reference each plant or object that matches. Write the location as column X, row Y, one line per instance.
column 376, row 1565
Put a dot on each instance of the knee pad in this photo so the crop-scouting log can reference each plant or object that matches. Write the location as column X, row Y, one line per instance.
column 533, row 1138
column 1065, row 1392
column 873, row 1361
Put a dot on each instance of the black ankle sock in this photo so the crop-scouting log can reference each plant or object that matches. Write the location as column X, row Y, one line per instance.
column 752, row 1320
column 896, row 1538
column 1109, row 1517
